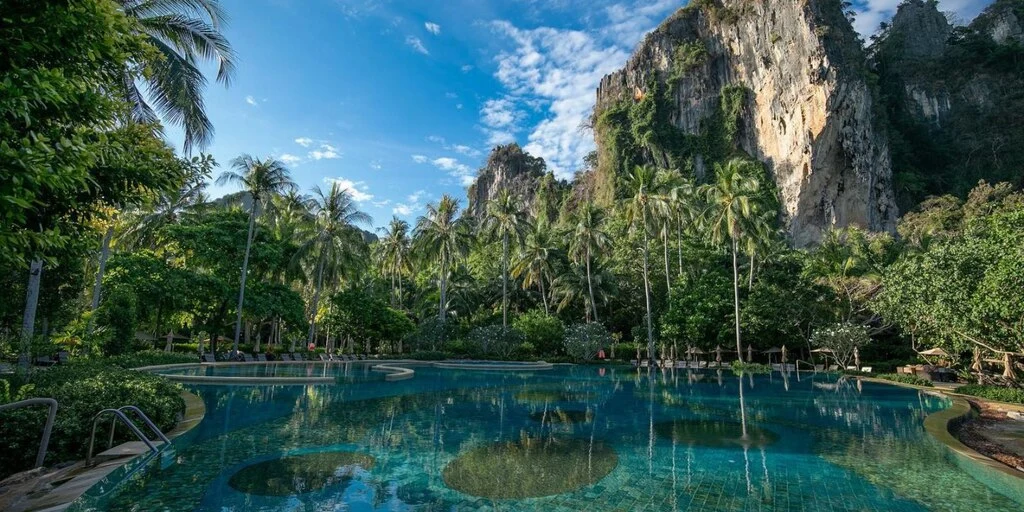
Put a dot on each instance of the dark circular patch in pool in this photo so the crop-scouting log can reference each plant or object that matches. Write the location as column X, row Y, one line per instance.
column 715, row 433
column 530, row 468
column 297, row 474
column 571, row 416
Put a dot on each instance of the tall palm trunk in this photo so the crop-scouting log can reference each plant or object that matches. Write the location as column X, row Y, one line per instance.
column 647, row 293
column 679, row 244
column 443, row 278
column 401, row 294
column 736, row 301
column 504, row 280
column 316, row 297
column 543, row 294
column 245, row 271
column 590, row 287
column 98, row 287
column 750, row 279
column 28, row 323
column 668, row 274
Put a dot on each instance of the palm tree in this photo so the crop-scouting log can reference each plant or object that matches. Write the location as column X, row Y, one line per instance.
column 442, row 235
column 645, row 205
column 578, row 284
column 686, row 210
column 506, row 219
column 731, row 212
column 329, row 237
column 587, row 239
column 533, row 265
column 167, row 208
column 262, row 179
column 185, row 33
column 671, row 180
column 393, row 254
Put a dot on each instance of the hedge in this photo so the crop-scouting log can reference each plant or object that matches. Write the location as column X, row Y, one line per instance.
column 997, row 393
column 82, row 389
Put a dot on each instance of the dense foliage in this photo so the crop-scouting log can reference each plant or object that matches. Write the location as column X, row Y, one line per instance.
column 997, row 393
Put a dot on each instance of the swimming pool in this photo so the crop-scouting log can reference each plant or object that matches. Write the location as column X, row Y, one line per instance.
column 566, row 438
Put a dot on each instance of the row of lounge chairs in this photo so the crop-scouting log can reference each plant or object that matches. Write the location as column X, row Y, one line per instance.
column 61, row 357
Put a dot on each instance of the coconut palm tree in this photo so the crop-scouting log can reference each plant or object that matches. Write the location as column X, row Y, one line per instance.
column 686, row 210
column 329, row 237
column 393, row 255
column 587, row 239
column 185, row 34
column 262, row 179
column 505, row 219
column 167, row 208
column 731, row 214
column 441, row 235
column 533, row 265
column 577, row 285
column 644, row 206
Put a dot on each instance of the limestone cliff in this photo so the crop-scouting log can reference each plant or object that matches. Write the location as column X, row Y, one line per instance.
column 782, row 81
column 952, row 97
column 508, row 167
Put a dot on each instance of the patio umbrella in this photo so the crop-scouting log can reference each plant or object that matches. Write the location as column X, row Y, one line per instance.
column 718, row 353
column 934, row 352
column 773, row 350
column 856, row 357
column 784, row 358
column 750, row 352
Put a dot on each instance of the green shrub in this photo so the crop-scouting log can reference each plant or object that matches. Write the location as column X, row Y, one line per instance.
column 583, row 341
column 905, row 379
column 526, row 350
column 151, row 358
column 543, row 331
column 82, row 390
column 997, row 393
column 428, row 355
column 461, row 348
column 496, row 341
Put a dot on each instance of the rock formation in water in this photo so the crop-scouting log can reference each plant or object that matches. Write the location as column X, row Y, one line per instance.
column 783, row 81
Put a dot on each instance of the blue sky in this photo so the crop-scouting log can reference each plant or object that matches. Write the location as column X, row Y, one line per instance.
column 400, row 100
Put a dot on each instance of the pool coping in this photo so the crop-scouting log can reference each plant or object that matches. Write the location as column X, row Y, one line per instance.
column 390, row 368
column 999, row 477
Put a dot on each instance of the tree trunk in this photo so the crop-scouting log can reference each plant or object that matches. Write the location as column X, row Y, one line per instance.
column 444, row 288
column 401, row 295
column 750, row 279
column 543, row 294
column 316, row 298
column 590, row 287
column 736, row 301
column 679, row 246
column 98, row 287
column 647, row 294
column 245, row 270
column 28, row 323
column 668, row 279
column 504, row 281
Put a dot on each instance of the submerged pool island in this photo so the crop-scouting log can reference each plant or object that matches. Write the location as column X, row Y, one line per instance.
column 550, row 437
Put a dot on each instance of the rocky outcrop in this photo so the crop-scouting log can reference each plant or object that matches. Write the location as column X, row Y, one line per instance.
column 1003, row 21
column 508, row 167
column 782, row 81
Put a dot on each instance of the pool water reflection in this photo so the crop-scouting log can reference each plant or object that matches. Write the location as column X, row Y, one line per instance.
column 570, row 438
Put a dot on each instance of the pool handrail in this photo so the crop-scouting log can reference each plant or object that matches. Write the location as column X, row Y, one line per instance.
column 44, row 443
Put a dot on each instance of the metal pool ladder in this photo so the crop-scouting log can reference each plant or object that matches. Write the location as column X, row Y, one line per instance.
column 119, row 414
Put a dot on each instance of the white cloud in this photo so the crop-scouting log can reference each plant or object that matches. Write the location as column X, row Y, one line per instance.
column 501, row 120
column 455, row 169
column 404, row 210
column 451, row 95
column 251, row 100
column 326, row 152
column 433, row 28
column 466, row 68
column 416, row 44
column 420, row 159
column 304, row 141
column 289, row 159
column 381, row 204
column 436, row 139
column 465, row 150
column 458, row 106
column 357, row 189
column 375, row 165
column 416, row 196
column 870, row 13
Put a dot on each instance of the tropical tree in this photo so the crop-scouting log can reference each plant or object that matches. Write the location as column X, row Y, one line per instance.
column 644, row 207
column 185, row 33
column 262, row 179
column 393, row 255
column 731, row 215
column 329, row 238
column 441, row 235
column 685, row 207
column 581, row 285
column 168, row 207
column 505, row 219
column 587, row 239
column 533, row 265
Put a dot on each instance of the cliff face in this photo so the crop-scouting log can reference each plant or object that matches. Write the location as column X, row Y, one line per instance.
column 782, row 81
column 507, row 167
column 952, row 96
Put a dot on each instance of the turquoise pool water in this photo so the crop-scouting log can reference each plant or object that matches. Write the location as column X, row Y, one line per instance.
column 348, row 372
column 570, row 438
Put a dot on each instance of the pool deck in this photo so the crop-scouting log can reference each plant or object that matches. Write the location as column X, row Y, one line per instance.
column 54, row 489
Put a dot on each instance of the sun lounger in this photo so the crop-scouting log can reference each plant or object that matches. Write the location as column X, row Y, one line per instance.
column 819, row 367
column 284, row 357
column 777, row 367
column 833, row 368
column 866, row 369
column 45, row 361
column 247, row 358
column 297, row 356
column 852, row 368
column 323, row 357
column 261, row 358
column 63, row 357
column 208, row 358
